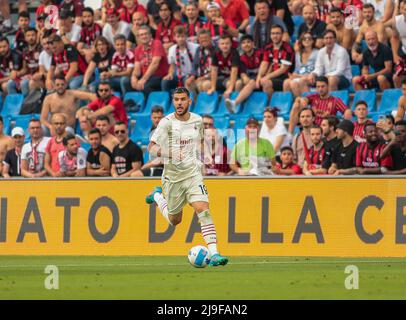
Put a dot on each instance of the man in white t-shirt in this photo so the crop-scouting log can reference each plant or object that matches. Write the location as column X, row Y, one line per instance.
column 44, row 63
column 114, row 26
column 33, row 152
column 69, row 31
column 72, row 161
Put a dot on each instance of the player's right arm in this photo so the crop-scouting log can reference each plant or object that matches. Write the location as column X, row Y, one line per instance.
column 159, row 143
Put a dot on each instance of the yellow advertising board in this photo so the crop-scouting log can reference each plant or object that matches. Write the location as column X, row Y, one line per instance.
column 352, row 217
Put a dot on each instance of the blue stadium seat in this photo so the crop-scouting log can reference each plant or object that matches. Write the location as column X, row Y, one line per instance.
column 6, row 126
column 117, row 94
column 255, row 104
column 389, row 102
column 12, row 104
column 157, row 98
column 369, row 96
column 283, row 101
column 297, row 21
column 355, row 70
column 141, row 131
column 96, row 74
column 223, row 111
column 221, row 123
column 138, row 98
column 206, row 104
column 343, row 95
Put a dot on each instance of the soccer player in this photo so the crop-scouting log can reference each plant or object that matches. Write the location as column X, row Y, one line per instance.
column 177, row 140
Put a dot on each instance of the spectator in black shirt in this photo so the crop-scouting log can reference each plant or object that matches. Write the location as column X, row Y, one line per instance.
column 12, row 161
column 344, row 155
column 313, row 25
column 397, row 148
column 11, row 65
column 19, row 38
column 98, row 162
column 127, row 156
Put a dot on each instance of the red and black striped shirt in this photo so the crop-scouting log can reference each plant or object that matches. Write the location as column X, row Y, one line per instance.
column 316, row 157
column 225, row 64
column 325, row 107
column 165, row 33
column 31, row 58
column 359, row 134
column 127, row 14
column 250, row 64
column 285, row 55
column 62, row 61
column 88, row 34
column 192, row 30
column 370, row 157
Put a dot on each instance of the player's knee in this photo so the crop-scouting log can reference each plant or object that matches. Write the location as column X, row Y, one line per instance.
column 175, row 219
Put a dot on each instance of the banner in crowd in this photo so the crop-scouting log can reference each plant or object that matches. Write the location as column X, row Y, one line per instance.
column 351, row 217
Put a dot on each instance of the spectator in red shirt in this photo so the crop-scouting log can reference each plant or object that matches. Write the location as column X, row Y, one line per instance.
column 11, row 63
column 151, row 63
column 129, row 8
column 322, row 103
column 166, row 26
column 278, row 61
column 104, row 103
column 30, row 59
column 193, row 22
column 224, row 69
column 287, row 167
column 218, row 25
column 24, row 24
column 88, row 35
column 235, row 10
column 315, row 162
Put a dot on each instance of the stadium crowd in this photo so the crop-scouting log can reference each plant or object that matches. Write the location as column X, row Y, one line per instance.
column 71, row 80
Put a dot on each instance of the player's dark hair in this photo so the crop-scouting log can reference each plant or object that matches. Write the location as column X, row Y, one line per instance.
column 94, row 131
column 103, row 117
column 88, row 9
column 368, row 6
column 369, row 124
column 157, row 109
column 67, row 138
column 332, row 121
column 322, row 79
column 24, row 14
column 361, row 102
column 286, row 148
column 181, row 90
column 327, row 31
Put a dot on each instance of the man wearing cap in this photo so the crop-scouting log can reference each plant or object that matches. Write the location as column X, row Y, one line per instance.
column 114, row 26
column 6, row 143
column 12, row 160
column 252, row 155
column 343, row 157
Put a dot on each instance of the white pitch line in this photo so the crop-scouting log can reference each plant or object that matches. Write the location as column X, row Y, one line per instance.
column 183, row 264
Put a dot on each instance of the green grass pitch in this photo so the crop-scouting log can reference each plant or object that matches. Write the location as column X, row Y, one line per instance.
column 145, row 278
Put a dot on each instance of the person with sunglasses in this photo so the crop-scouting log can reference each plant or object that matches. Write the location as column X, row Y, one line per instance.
column 127, row 156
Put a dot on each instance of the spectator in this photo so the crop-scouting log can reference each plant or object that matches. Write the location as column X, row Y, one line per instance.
column 72, row 160
column 274, row 130
column 74, row 8
column 252, row 155
column 12, row 160
column 109, row 5
column 400, row 113
column 154, row 167
column 11, row 64
column 216, row 154
column 264, row 20
column 397, row 148
column 107, row 139
column 180, row 58
column 333, row 62
column 138, row 20
column 313, row 25
column 89, row 33
column 102, row 61
column 383, row 10
column 151, row 63
column 322, row 103
column 287, row 166
column 31, row 55
column 368, row 154
column 361, row 112
column 153, row 11
column 224, row 68
column 6, row 143
column 343, row 157
column 44, row 64
column 114, row 26
column 66, row 60
column 379, row 57
column 200, row 80
column 127, row 156
column 24, row 24
column 193, row 23
column 370, row 23
column 398, row 43
column 315, row 162
column 68, row 30
column 166, row 26
column 98, row 161
column 218, row 25
column 208, row 121
column 330, row 140
column 302, row 141
column 280, row 8
column 345, row 36
column 55, row 145
column 278, row 62
column 235, row 10
column 33, row 152
column 6, row 27
column 104, row 103
column 250, row 62
column 129, row 8
column 386, row 124
column 40, row 26
column 305, row 61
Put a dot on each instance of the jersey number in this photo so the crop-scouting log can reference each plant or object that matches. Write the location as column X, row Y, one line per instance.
column 203, row 189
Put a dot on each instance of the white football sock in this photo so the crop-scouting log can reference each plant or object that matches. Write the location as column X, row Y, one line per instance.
column 162, row 205
column 208, row 231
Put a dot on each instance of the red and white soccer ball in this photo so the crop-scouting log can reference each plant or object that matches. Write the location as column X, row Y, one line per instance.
column 199, row 256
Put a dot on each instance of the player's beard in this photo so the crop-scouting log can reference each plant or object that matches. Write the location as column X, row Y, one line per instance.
column 183, row 112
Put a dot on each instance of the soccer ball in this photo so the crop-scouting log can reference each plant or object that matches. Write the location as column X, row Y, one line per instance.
column 199, row 256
